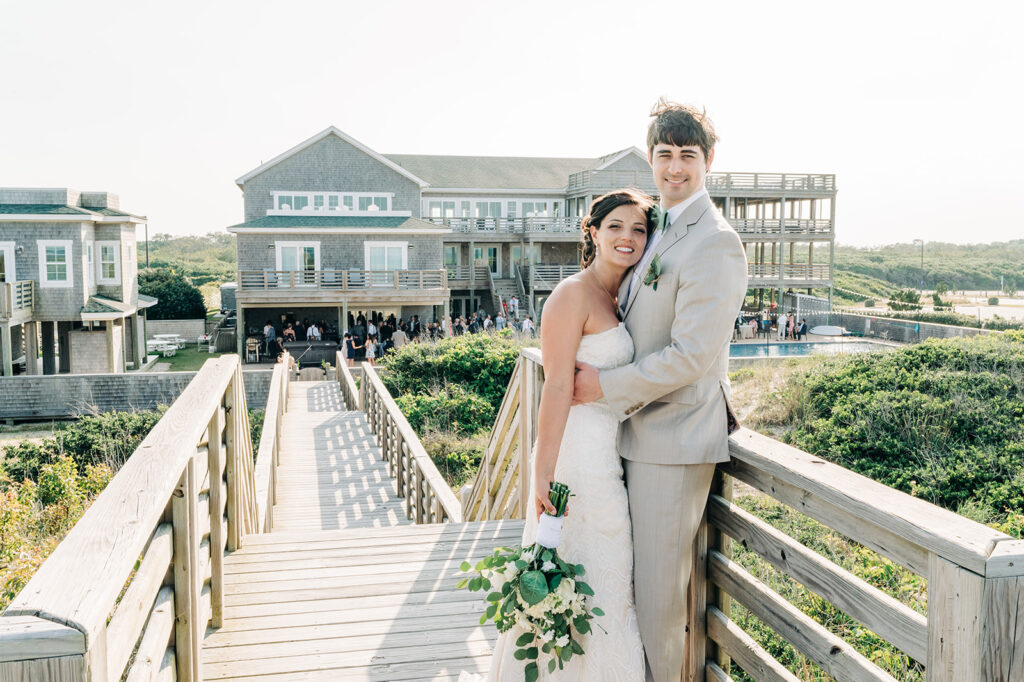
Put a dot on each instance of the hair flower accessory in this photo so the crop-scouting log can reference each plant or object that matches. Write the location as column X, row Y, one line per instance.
column 653, row 272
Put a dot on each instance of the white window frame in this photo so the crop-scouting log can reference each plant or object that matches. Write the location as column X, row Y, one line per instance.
column 347, row 203
column 44, row 281
column 8, row 249
column 458, row 253
column 116, row 279
column 370, row 245
column 299, row 245
column 90, row 265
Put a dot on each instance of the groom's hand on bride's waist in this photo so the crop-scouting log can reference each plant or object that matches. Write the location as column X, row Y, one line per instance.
column 587, row 384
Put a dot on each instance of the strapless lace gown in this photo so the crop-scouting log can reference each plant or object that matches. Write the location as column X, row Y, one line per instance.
column 597, row 534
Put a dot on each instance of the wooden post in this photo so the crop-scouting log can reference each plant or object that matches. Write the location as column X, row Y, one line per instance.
column 231, row 437
column 40, row 650
column 31, row 334
column 186, row 578
column 216, row 450
column 975, row 623
column 525, row 429
column 6, row 355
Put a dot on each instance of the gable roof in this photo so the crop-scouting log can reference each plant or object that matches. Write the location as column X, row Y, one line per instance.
column 492, row 172
column 609, row 159
column 23, row 211
column 316, row 138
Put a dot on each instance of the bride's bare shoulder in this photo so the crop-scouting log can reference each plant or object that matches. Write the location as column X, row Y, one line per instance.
column 568, row 301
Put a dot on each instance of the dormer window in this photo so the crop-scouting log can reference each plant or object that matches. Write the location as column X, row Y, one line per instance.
column 319, row 203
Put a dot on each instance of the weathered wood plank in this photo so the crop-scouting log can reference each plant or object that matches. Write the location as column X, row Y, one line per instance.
column 954, row 622
column 186, row 580
column 716, row 674
column 937, row 530
column 1002, row 630
column 102, row 554
column 879, row 612
column 127, row 621
column 876, row 538
column 747, row 653
column 30, row 637
column 153, row 647
column 60, row 669
column 833, row 654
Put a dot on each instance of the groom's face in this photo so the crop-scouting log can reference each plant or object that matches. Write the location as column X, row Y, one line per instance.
column 679, row 171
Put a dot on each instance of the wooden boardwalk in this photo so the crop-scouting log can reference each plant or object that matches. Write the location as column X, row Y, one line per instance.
column 346, row 587
column 331, row 475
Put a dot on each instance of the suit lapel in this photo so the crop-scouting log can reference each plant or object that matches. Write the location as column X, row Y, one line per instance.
column 676, row 231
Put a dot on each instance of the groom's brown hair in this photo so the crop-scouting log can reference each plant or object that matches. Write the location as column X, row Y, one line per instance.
column 681, row 125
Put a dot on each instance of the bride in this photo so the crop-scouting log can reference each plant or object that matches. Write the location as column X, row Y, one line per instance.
column 576, row 444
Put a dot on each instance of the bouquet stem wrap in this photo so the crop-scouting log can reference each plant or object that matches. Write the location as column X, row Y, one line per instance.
column 549, row 530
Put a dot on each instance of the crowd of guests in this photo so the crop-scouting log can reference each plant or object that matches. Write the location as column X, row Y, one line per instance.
column 784, row 325
column 274, row 339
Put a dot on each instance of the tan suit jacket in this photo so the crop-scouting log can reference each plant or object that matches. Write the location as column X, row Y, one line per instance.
column 673, row 399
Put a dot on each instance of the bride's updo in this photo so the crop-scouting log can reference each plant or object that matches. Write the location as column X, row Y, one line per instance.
column 599, row 210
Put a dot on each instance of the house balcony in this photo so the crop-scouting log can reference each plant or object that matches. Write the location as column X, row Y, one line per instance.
column 770, row 184
column 17, row 300
column 541, row 277
column 601, row 181
column 772, row 275
column 564, row 228
column 279, row 287
column 774, row 227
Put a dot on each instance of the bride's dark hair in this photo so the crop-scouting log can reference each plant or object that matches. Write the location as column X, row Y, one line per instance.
column 599, row 210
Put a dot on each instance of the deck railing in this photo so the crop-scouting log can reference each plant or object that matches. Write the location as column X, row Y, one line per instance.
column 342, row 280
column 465, row 273
column 800, row 271
column 268, row 454
column 428, row 498
column 774, row 226
column 974, row 628
column 797, row 182
column 600, row 180
column 16, row 297
column 520, row 226
column 347, row 383
column 130, row 591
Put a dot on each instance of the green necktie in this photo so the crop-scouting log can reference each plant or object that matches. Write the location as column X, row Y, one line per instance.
column 660, row 219
column 664, row 221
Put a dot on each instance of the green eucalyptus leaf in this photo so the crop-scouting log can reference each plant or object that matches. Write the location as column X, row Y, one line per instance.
column 465, row 566
column 462, row 583
column 494, row 596
column 531, row 652
column 531, row 672
column 597, row 611
column 491, row 610
column 533, row 587
column 576, row 648
column 520, row 654
column 525, row 638
column 584, row 588
column 551, row 666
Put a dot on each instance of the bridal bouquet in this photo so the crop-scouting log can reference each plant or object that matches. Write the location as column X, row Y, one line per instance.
column 534, row 588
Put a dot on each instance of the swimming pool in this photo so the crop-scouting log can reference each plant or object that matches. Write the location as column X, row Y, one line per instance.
column 790, row 350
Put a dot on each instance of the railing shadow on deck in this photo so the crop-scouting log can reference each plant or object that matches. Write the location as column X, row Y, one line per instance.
column 974, row 628
column 130, row 591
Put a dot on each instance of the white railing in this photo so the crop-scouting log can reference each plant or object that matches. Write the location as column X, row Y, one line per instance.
column 548, row 276
column 790, row 271
column 973, row 628
column 16, row 297
column 521, row 226
column 608, row 179
column 464, row 273
column 342, row 280
column 771, row 226
column 797, row 182
column 129, row 593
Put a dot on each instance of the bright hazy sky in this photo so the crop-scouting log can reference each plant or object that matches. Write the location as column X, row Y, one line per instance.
column 918, row 110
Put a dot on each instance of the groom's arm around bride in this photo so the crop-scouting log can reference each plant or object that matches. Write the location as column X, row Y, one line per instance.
column 672, row 401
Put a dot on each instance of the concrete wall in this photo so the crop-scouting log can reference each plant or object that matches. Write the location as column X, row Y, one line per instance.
column 58, row 396
column 906, row 331
column 337, row 251
column 330, row 165
column 190, row 330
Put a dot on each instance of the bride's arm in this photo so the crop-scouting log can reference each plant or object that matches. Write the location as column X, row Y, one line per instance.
column 563, row 319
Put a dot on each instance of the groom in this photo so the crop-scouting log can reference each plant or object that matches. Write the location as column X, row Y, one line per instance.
column 673, row 401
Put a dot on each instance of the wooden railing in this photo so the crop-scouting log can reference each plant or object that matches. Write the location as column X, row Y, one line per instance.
column 130, row 591
column 16, row 297
column 974, row 628
column 548, row 276
column 789, row 271
column 773, row 226
column 342, row 280
column 608, row 179
column 463, row 273
column 268, row 454
column 347, row 383
column 797, row 182
column 428, row 498
column 521, row 226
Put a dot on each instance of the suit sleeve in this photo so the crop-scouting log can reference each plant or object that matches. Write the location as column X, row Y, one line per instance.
column 708, row 298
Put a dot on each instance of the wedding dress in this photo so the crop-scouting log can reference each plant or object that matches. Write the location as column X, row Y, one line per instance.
column 596, row 533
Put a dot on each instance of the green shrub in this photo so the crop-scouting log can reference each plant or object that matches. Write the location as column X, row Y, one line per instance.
column 58, row 481
column 993, row 300
column 178, row 298
column 457, row 458
column 869, row 303
column 256, row 418
column 108, row 438
column 942, row 420
column 451, row 408
column 481, row 363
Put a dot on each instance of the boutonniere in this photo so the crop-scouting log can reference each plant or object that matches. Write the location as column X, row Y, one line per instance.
column 653, row 272
column 659, row 218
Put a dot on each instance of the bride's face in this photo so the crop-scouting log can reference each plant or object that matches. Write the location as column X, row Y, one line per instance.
column 621, row 236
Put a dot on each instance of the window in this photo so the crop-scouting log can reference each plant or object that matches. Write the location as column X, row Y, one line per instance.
column 374, row 203
column 318, row 201
column 488, row 253
column 7, row 262
column 90, row 270
column 299, row 257
column 488, row 209
column 383, row 258
column 347, row 201
column 110, row 263
column 332, row 202
column 55, row 265
column 464, row 209
column 532, row 251
column 451, row 256
column 510, row 211
column 535, row 208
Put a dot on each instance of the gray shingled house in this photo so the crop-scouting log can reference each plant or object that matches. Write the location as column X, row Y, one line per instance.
column 333, row 227
column 68, row 283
